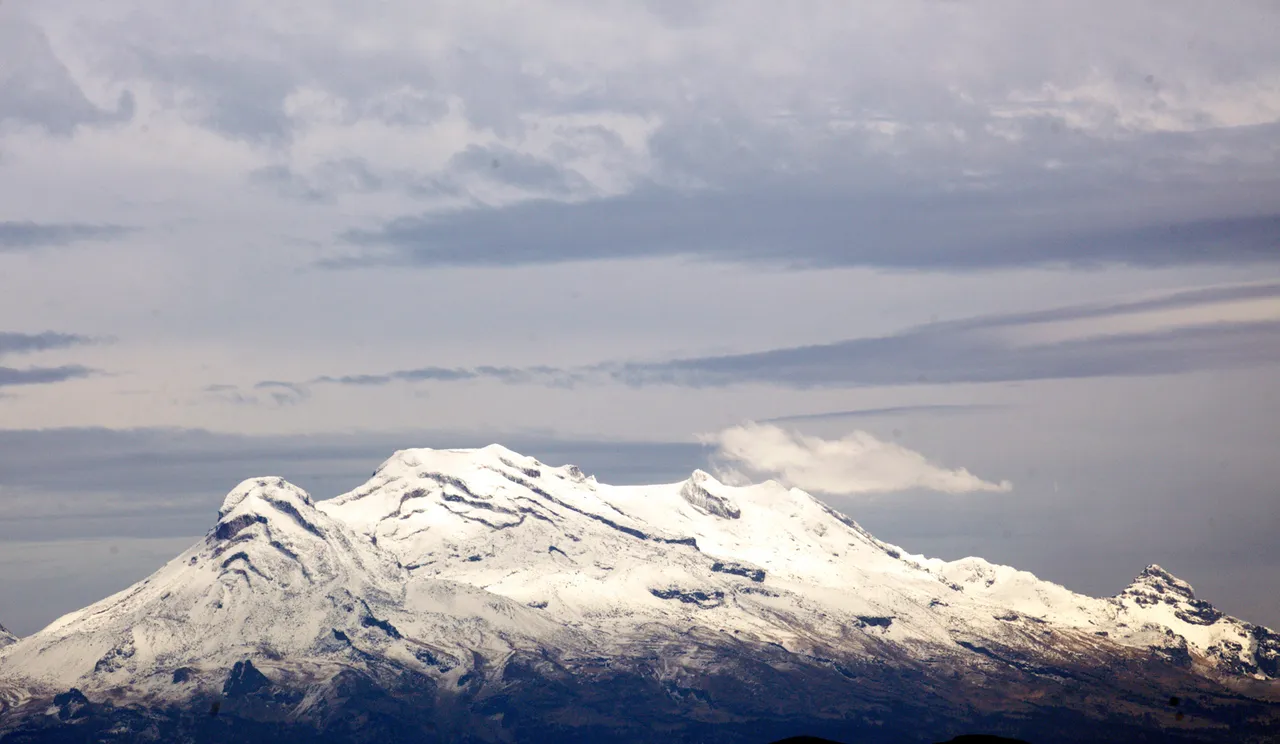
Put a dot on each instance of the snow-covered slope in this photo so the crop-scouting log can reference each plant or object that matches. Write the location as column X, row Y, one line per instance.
column 464, row 572
column 770, row 562
column 277, row 580
column 6, row 637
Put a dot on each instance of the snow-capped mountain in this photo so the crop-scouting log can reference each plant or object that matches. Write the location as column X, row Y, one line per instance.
column 481, row 594
column 275, row 577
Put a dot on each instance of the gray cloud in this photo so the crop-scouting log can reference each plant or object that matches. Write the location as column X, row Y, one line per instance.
column 1006, row 137
column 282, row 393
column 551, row 376
column 990, row 145
column 244, row 95
column 24, row 343
column 886, row 411
column 36, row 87
column 930, row 355
column 18, row 343
column 518, row 169
column 799, row 225
column 10, row 376
column 24, row 236
column 1171, row 301
column 240, row 96
column 333, row 179
column 438, row 374
column 325, row 182
column 271, row 393
column 964, row 351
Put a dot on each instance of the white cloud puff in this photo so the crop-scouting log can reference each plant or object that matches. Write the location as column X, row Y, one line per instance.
column 856, row 463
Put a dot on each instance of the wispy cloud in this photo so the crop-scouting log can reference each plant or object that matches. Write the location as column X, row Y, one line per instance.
column 26, row 236
column 282, row 393
column 1210, row 328
column 802, row 225
column 543, row 375
column 29, row 343
column 272, row 393
column 928, row 356
column 886, row 411
column 278, row 393
column 19, row 343
column 10, row 376
column 1014, row 347
column 421, row 374
column 857, row 463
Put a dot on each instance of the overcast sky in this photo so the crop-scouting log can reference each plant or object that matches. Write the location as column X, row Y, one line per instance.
column 995, row 278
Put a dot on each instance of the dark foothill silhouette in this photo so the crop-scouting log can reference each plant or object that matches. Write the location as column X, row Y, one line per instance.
column 963, row 739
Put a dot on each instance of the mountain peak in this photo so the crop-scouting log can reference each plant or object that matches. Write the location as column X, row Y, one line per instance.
column 415, row 456
column 266, row 488
column 1156, row 587
column 262, row 500
column 1156, row 578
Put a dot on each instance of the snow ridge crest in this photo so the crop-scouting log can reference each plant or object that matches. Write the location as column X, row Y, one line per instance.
column 266, row 488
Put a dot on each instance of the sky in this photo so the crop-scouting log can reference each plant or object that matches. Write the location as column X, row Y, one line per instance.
column 994, row 278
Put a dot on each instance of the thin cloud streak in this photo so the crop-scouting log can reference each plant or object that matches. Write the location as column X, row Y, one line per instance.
column 28, row 236
column 886, row 411
column 10, row 376
column 973, row 350
column 929, row 356
column 21, row 343
column 795, row 225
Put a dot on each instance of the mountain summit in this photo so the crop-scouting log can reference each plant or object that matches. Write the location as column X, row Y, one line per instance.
column 482, row 595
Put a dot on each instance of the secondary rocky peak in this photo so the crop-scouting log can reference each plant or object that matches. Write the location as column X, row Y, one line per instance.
column 1156, row 586
column 6, row 637
column 700, row 492
column 1155, row 579
column 244, row 679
